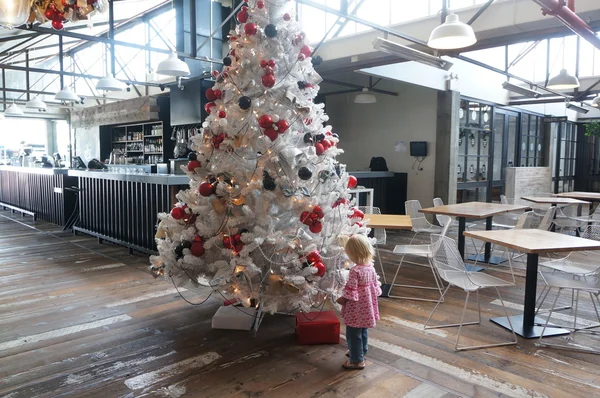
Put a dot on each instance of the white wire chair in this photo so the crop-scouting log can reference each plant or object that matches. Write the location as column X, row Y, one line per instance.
column 506, row 220
column 419, row 251
column 567, row 218
column 419, row 222
column 546, row 219
column 378, row 233
column 451, row 268
column 444, row 220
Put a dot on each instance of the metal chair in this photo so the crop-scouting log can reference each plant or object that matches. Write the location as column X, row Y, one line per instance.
column 451, row 268
column 419, row 222
column 567, row 219
column 547, row 219
column 420, row 251
column 379, row 234
column 444, row 220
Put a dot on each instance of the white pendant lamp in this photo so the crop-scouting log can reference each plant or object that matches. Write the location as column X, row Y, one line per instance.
column 452, row 34
column 173, row 66
column 36, row 104
column 596, row 102
column 66, row 95
column 13, row 110
column 563, row 81
column 365, row 97
column 109, row 83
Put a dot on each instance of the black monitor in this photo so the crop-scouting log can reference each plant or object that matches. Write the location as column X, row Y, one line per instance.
column 78, row 163
column 418, row 148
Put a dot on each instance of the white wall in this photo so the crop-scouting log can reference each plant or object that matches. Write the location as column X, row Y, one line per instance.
column 368, row 130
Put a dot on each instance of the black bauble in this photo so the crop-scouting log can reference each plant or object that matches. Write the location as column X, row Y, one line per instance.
column 316, row 60
column 270, row 30
column 269, row 184
column 227, row 61
column 308, row 138
column 245, row 103
column 338, row 170
column 186, row 244
column 179, row 250
column 319, row 137
column 304, row 173
column 301, row 85
column 192, row 156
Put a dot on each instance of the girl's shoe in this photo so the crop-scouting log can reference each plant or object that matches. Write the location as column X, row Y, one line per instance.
column 348, row 354
column 353, row 366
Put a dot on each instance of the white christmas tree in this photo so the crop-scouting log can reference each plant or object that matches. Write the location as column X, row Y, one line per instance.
column 267, row 199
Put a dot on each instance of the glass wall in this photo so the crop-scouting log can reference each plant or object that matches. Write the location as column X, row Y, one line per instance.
column 19, row 133
column 564, row 163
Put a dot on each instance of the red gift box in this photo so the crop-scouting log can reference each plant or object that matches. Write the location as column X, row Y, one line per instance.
column 317, row 328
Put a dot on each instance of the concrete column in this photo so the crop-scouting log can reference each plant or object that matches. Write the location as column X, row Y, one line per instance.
column 446, row 145
column 51, row 138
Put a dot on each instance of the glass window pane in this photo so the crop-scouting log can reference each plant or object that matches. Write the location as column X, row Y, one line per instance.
column 400, row 12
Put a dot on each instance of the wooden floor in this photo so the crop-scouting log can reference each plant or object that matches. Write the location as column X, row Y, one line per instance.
column 82, row 319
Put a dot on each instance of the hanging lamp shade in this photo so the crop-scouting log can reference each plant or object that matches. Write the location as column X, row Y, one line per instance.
column 596, row 102
column 109, row 83
column 173, row 66
column 13, row 110
column 36, row 104
column 365, row 97
column 452, row 34
column 66, row 95
column 14, row 12
column 563, row 81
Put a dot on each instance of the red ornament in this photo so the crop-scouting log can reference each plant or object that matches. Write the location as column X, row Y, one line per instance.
column 245, row 8
column 271, row 133
column 314, row 216
column 260, row 4
column 177, row 213
column 320, row 268
column 301, row 57
column 242, row 16
column 215, row 73
column 318, row 210
column 206, row 189
column 271, row 63
column 265, row 121
column 358, row 214
column 250, row 29
column 263, row 63
column 287, row 17
column 218, row 93
column 319, row 148
column 222, row 114
column 197, row 249
column 268, row 80
column 316, row 227
column 239, row 247
column 268, row 70
column 237, row 238
column 282, row 126
column 304, row 216
column 193, row 165
column 189, row 218
column 210, row 95
column 57, row 24
column 218, row 140
column 306, row 50
column 227, row 242
column 352, row 181
column 49, row 13
column 199, row 239
column 208, row 107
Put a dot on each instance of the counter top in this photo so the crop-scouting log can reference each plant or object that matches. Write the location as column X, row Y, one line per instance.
column 371, row 174
column 162, row 179
column 35, row 170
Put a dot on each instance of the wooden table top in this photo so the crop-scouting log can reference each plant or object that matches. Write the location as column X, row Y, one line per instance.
column 591, row 196
column 534, row 240
column 390, row 221
column 473, row 209
column 554, row 200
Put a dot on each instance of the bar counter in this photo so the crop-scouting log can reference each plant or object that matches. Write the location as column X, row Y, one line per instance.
column 389, row 189
column 123, row 208
column 39, row 192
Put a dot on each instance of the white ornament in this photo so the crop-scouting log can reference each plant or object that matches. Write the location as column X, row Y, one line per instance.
column 223, row 122
column 275, row 118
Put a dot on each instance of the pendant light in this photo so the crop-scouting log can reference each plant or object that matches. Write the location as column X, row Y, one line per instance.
column 596, row 102
column 452, row 34
column 36, row 104
column 365, row 97
column 173, row 66
column 109, row 83
column 13, row 110
column 564, row 80
column 66, row 95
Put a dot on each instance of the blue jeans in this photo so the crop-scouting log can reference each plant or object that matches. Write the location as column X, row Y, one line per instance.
column 358, row 344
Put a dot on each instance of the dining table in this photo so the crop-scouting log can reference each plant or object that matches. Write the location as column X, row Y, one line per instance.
column 533, row 242
column 593, row 197
column 475, row 210
column 556, row 201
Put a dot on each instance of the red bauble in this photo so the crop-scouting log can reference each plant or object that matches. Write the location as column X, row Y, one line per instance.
column 287, row 17
column 242, row 16
column 265, row 121
column 193, row 165
column 320, row 268
column 319, row 148
column 49, row 13
column 358, row 214
column 306, row 50
column 316, row 227
column 239, row 247
column 272, row 134
column 282, row 126
column 218, row 93
column 177, row 213
column 227, row 242
column 215, row 73
column 57, row 24
column 189, row 218
column 208, row 107
column 222, row 114
column 250, row 29
column 326, row 144
column 304, row 216
column 206, row 189
column 271, row 63
column 199, row 239
column 352, row 181
column 314, row 216
column 210, row 95
column 260, row 4
column 317, row 210
column 60, row 16
column 268, row 70
column 237, row 238
column 197, row 249
column 301, row 57
column 268, row 80
column 263, row 63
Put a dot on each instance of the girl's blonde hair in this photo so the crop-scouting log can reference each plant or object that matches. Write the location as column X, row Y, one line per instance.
column 359, row 249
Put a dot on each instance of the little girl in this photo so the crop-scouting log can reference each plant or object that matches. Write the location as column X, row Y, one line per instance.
column 359, row 300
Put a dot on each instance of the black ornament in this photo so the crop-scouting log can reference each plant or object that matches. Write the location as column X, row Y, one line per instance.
column 243, row 231
column 179, row 250
column 268, row 182
column 192, row 156
column 301, row 85
column 271, row 30
column 335, row 135
column 186, row 244
column 305, row 265
column 245, row 103
column 319, row 137
column 324, row 175
column 227, row 61
column 304, row 173
column 338, row 170
column 316, row 60
column 308, row 139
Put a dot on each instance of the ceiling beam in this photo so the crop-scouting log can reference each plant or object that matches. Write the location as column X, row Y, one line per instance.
column 359, row 87
column 480, row 11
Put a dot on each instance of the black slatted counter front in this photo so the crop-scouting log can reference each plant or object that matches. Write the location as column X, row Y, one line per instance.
column 123, row 208
column 38, row 191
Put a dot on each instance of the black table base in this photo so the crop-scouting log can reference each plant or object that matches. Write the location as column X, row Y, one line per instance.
column 530, row 332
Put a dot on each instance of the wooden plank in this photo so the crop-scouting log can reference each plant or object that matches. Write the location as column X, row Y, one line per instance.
column 473, row 209
column 389, row 221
